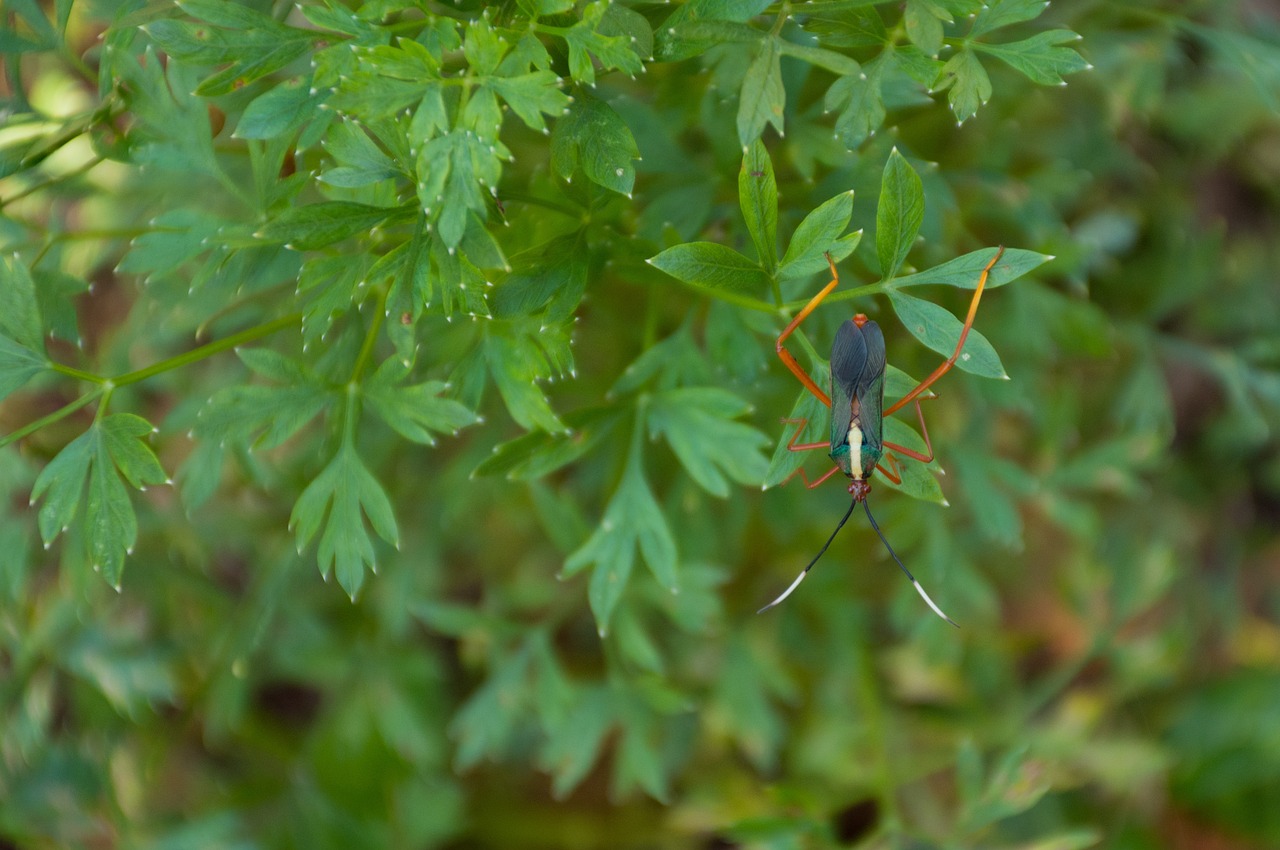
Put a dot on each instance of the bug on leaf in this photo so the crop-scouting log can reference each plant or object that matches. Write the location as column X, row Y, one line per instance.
column 857, row 446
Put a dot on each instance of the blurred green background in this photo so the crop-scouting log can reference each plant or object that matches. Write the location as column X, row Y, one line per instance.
column 1109, row 551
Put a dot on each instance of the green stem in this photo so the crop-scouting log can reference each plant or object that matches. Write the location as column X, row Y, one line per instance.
column 197, row 354
column 371, row 336
column 843, row 295
column 61, row 413
column 36, row 187
column 534, row 200
column 72, row 372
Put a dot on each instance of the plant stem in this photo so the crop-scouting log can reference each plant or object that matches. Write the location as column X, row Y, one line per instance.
column 197, row 354
column 61, row 413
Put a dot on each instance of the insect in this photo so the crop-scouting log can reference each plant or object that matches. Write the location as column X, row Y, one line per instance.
column 857, row 446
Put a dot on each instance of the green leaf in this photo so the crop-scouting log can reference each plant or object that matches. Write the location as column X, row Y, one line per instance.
column 539, row 453
column 240, row 411
column 361, row 161
column 18, row 364
column 517, row 362
column 713, row 267
column 698, row 425
column 1042, row 58
column 280, row 109
column 573, row 745
column 452, row 169
column 19, row 312
column 673, row 44
column 1003, row 13
column 964, row 271
column 61, row 484
column 413, row 411
column 314, row 226
column 899, row 214
column 966, row 83
column 595, row 138
column 632, row 520
column 818, row 234
column 836, row 63
column 784, row 462
column 489, row 717
column 763, row 96
column 918, row 479
column 123, row 435
column 858, row 99
column 939, row 330
column 924, row 26
column 586, row 40
column 758, row 197
column 346, row 492
column 532, row 95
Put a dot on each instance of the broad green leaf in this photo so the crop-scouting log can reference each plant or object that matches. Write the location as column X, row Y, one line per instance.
column 241, row 411
column 313, row 226
column 595, row 138
column 124, row 436
column 673, row 44
column 619, row 20
column 858, row 99
column 413, row 411
column 939, row 330
column 758, row 197
column 1042, row 57
column 17, row 365
column 816, row 429
column 844, row 25
column 836, row 63
column 698, row 425
column 482, row 46
column 966, row 83
column 632, row 520
column 282, row 108
column 763, row 96
column 1003, row 13
column 61, row 484
column 899, row 214
column 538, row 453
column 453, row 170
column 551, row 278
column 714, row 267
column 531, row 96
column 19, row 312
column 924, row 25
column 516, row 364
column 585, row 40
column 360, row 161
column 340, row 498
column 918, row 481
column 964, row 271
column 818, row 234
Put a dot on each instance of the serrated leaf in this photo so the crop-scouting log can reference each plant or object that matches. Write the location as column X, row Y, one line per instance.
column 19, row 312
column 18, row 364
column 939, row 330
column 763, row 96
column 413, row 411
column 1042, row 58
column 819, row 234
column 531, row 96
column 360, row 160
column 964, row 271
column 586, row 40
column 61, row 484
column 593, row 137
column 632, row 520
column 758, row 197
column 698, row 425
column 340, row 498
column 553, row 277
column 488, row 718
column 240, row 412
column 1003, row 13
column 124, row 436
column 672, row 44
column 278, row 110
column 836, row 63
column 538, row 453
column 452, row 169
column 966, row 83
column 923, row 25
column 858, row 98
column 516, row 364
column 899, row 214
column 313, row 226
column 574, row 744
column 111, row 528
column 712, row 266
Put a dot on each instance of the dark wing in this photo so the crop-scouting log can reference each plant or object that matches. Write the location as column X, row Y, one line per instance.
column 870, row 395
column 848, row 359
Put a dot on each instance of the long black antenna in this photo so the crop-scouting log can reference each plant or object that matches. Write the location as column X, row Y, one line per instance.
column 918, row 588
column 805, row 571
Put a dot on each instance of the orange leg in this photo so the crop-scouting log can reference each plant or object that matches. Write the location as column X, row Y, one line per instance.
column 950, row 361
column 790, row 361
column 803, row 447
column 924, row 432
column 896, row 475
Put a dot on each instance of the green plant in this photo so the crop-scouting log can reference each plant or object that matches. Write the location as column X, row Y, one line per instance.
column 481, row 295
